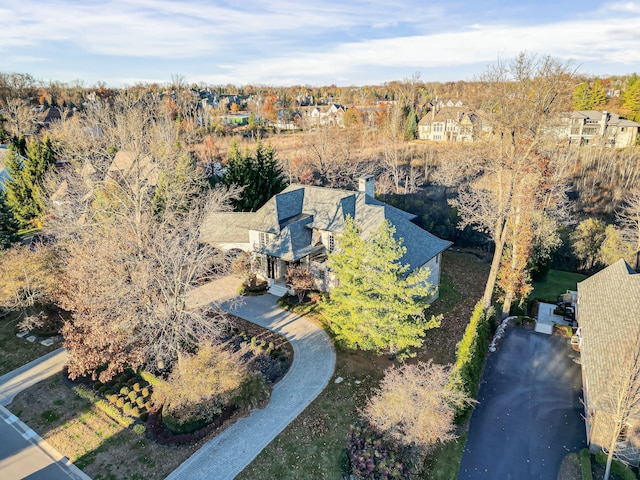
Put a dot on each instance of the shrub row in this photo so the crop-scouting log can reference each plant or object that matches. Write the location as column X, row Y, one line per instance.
column 470, row 355
column 618, row 468
column 585, row 464
column 107, row 408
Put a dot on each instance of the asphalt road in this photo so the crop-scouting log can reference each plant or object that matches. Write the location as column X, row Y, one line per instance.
column 529, row 415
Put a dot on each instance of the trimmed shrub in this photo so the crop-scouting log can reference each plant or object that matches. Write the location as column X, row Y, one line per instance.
column 120, row 402
column 140, row 402
column 147, row 405
column 132, row 396
column 144, row 393
column 150, row 378
column 139, row 429
column 470, row 355
column 175, row 425
column 113, row 398
column 585, row 464
column 102, row 405
column 137, row 387
column 124, row 391
column 135, row 411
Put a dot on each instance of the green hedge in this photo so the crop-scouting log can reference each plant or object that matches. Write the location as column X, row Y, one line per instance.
column 585, row 464
column 106, row 407
column 470, row 354
column 618, row 468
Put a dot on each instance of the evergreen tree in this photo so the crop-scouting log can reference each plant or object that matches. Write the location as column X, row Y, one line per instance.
column 259, row 174
column 598, row 95
column 582, row 97
column 411, row 128
column 8, row 224
column 632, row 101
column 26, row 176
column 377, row 305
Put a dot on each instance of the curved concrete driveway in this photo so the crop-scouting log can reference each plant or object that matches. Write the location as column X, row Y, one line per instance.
column 226, row 455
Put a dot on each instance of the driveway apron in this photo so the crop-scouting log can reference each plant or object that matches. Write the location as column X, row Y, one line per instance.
column 227, row 454
column 529, row 413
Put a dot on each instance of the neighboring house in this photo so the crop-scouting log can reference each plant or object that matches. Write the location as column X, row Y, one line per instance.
column 589, row 127
column 324, row 115
column 609, row 325
column 303, row 224
column 448, row 124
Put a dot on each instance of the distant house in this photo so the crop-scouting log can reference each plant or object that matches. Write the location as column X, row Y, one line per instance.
column 589, row 127
column 303, row 224
column 609, row 325
column 448, row 124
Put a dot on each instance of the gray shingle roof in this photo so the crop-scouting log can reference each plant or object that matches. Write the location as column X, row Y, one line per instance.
column 609, row 318
column 227, row 227
column 293, row 213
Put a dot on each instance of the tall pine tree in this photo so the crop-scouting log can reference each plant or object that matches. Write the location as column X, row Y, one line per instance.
column 25, row 195
column 8, row 224
column 632, row 101
column 377, row 305
column 259, row 174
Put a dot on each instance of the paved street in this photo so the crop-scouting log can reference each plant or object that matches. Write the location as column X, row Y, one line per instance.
column 529, row 415
column 23, row 454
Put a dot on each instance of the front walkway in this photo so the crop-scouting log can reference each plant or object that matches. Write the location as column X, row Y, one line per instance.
column 226, row 455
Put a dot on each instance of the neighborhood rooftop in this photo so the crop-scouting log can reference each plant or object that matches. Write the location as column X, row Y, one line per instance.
column 610, row 322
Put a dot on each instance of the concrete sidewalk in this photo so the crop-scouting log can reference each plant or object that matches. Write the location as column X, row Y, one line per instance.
column 23, row 453
column 28, row 375
column 226, row 455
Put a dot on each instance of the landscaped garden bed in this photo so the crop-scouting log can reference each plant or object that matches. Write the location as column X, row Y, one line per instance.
column 117, row 430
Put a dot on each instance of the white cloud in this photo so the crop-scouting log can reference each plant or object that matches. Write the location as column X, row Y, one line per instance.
column 293, row 41
column 613, row 41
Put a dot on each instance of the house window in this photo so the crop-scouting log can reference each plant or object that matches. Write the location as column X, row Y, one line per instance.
column 332, row 242
column 263, row 239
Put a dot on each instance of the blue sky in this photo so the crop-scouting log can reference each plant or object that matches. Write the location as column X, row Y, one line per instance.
column 314, row 42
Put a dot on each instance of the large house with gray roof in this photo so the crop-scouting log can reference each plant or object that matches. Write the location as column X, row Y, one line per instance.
column 608, row 334
column 303, row 224
column 589, row 127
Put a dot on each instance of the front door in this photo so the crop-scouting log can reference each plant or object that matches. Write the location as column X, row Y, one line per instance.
column 272, row 268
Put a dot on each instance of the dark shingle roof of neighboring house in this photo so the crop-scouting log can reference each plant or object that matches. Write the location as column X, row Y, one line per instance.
column 609, row 318
column 292, row 214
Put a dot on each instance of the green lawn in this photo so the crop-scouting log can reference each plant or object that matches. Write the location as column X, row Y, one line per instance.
column 444, row 462
column 15, row 352
column 555, row 283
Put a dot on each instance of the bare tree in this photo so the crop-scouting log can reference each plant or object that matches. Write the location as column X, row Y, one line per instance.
column 522, row 98
column 629, row 218
column 20, row 117
column 129, row 234
column 621, row 402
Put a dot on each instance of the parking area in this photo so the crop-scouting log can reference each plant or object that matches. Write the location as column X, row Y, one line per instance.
column 529, row 415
